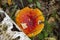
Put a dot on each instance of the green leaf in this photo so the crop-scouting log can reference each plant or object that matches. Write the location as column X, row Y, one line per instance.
column 30, row 1
column 54, row 13
column 48, row 26
column 38, row 4
column 41, row 36
column 45, row 33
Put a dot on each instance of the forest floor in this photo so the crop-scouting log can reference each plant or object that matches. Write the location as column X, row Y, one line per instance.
column 51, row 12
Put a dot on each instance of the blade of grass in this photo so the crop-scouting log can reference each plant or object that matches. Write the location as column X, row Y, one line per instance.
column 30, row 1
column 38, row 4
column 22, row 3
column 12, row 14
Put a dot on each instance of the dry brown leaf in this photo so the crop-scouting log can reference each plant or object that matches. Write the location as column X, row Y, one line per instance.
column 51, row 19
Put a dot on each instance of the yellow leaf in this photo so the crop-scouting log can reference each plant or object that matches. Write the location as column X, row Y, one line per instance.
column 9, row 2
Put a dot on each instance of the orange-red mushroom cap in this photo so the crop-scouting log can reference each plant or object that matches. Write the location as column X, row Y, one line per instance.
column 28, row 19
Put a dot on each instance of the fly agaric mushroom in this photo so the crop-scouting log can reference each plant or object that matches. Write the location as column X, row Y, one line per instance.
column 30, row 21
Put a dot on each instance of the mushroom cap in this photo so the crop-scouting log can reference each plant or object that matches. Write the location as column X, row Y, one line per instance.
column 30, row 21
